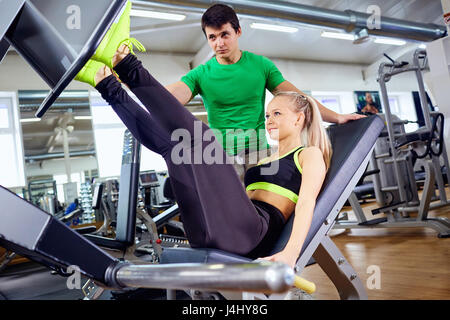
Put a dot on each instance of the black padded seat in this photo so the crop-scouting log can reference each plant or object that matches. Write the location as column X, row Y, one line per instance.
column 203, row 255
column 351, row 143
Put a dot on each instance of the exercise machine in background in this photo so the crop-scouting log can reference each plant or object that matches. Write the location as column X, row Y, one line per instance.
column 403, row 162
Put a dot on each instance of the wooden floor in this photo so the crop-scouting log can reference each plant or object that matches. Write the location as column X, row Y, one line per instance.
column 414, row 263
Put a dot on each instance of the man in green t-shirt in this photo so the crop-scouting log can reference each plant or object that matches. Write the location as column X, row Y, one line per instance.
column 233, row 86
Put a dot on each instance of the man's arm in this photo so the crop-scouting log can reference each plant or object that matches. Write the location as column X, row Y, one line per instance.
column 181, row 91
column 327, row 114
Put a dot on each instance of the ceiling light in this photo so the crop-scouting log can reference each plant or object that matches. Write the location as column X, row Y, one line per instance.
column 394, row 42
column 361, row 37
column 423, row 46
column 30, row 120
column 337, row 35
column 273, row 27
column 83, row 117
column 157, row 15
column 200, row 113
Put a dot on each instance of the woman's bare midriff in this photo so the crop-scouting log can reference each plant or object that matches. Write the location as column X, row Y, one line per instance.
column 283, row 204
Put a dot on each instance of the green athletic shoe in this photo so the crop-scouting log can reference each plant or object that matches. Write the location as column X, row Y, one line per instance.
column 88, row 72
column 118, row 34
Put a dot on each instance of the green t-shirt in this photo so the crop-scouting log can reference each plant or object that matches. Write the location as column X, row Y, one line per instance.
column 234, row 97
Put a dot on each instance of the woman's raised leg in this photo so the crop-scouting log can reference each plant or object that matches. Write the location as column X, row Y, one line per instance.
column 216, row 211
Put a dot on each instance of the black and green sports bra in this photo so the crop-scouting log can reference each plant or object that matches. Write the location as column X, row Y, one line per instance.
column 285, row 181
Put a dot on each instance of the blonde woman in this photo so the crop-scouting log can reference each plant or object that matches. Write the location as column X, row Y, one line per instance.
column 216, row 210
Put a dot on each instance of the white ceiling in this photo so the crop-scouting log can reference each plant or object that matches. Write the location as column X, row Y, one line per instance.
column 306, row 44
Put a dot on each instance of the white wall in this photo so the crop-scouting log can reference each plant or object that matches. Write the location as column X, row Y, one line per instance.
column 11, row 142
column 57, row 166
column 310, row 76
column 342, row 80
column 438, row 81
column 16, row 74
column 315, row 76
column 345, row 99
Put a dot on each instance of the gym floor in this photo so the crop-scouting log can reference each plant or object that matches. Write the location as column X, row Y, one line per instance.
column 414, row 263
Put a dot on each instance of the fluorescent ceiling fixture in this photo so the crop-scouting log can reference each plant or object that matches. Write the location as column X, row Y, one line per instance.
column 337, row 35
column 273, row 27
column 157, row 15
column 83, row 117
column 394, row 42
column 30, row 120
column 200, row 113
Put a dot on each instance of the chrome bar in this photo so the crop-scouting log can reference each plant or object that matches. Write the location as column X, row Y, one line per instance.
column 259, row 276
column 435, row 205
column 57, row 155
column 422, row 93
column 390, row 128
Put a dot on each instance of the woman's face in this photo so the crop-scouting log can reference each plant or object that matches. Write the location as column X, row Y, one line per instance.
column 281, row 119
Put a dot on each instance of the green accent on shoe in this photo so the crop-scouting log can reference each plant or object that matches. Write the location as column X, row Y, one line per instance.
column 133, row 41
column 118, row 34
column 88, row 72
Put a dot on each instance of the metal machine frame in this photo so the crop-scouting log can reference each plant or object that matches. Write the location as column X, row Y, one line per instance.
column 397, row 213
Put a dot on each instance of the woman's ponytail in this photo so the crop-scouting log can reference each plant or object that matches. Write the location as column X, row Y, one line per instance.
column 314, row 133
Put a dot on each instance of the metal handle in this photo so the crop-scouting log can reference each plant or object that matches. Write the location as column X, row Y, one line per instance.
column 265, row 277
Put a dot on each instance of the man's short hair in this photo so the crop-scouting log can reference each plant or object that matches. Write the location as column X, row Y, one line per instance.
column 218, row 15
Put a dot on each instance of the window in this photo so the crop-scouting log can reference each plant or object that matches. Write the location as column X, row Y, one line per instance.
column 331, row 102
column 402, row 105
column 4, row 116
column 108, row 135
column 12, row 171
column 338, row 101
column 393, row 103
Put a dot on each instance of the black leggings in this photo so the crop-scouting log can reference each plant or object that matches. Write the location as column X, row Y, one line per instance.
column 215, row 208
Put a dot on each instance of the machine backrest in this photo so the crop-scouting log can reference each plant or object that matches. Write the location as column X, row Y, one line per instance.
column 128, row 190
